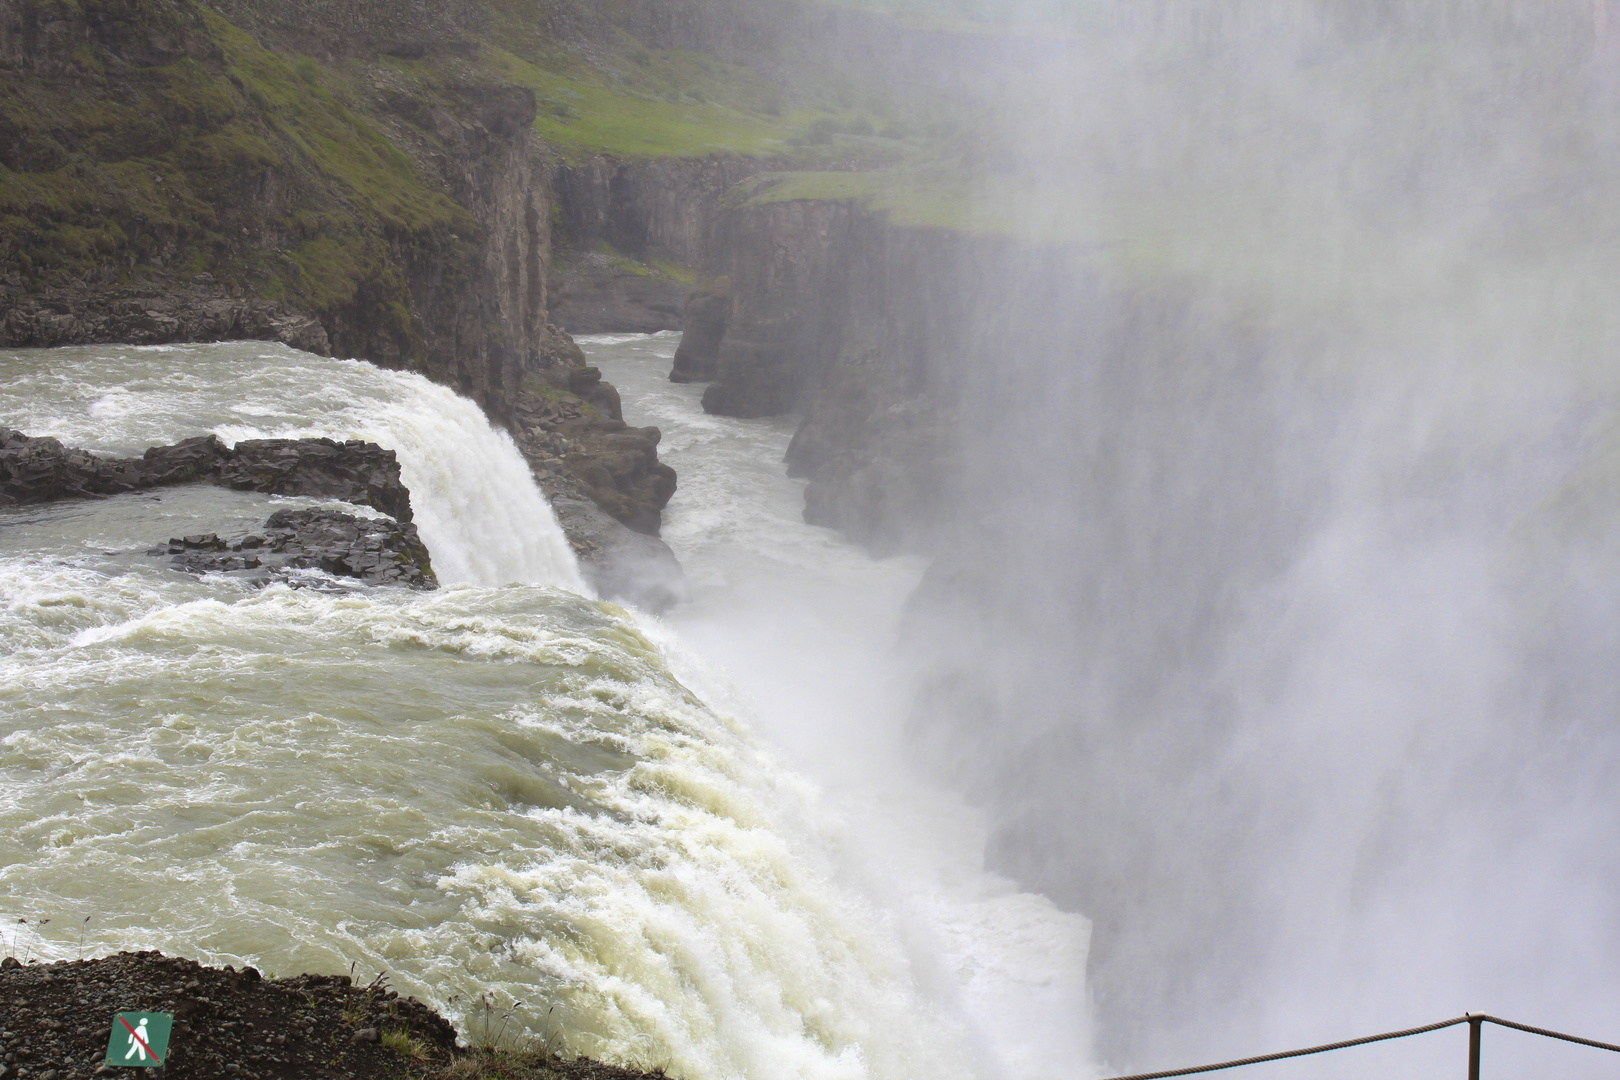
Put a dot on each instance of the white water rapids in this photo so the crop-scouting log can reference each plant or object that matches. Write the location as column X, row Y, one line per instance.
column 502, row 788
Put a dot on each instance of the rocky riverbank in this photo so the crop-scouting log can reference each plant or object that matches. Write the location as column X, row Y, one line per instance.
column 57, row 1020
column 602, row 476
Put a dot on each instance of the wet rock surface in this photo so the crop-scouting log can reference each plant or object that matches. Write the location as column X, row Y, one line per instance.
column 619, row 563
column 376, row 551
column 614, row 465
column 602, row 476
column 56, row 1019
column 39, row 470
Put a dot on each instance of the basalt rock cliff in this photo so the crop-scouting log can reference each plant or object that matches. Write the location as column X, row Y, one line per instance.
column 169, row 175
column 824, row 308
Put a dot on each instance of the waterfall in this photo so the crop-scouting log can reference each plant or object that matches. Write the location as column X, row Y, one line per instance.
column 475, row 502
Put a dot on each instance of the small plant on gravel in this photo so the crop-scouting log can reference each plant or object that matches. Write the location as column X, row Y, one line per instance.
column 405, row 1044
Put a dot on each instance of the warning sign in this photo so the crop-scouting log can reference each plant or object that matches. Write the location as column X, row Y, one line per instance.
column 139, row 1039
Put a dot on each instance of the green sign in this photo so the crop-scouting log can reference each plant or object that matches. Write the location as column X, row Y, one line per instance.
column 139, row 1039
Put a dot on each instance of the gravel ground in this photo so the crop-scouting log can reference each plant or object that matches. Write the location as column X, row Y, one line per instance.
column 55, row 1020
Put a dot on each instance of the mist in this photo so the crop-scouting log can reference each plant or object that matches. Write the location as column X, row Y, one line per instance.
column 1275, row 625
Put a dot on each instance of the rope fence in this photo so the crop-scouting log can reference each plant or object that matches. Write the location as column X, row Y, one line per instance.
column 1475, row 1022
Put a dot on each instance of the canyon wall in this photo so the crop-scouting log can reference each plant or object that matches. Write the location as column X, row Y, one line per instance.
column 823, row 308
column 171, row 178
column 633, row 230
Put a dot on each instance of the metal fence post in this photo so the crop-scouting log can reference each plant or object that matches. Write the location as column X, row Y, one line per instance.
column 1474, row 1024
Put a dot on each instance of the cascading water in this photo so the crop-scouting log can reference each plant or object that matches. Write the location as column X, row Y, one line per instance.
column 500, row 788
column 801, row 626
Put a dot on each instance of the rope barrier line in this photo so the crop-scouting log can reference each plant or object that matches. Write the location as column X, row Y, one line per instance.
column 1474, row 1019
column 1549, row 1034
column 1297, row 1053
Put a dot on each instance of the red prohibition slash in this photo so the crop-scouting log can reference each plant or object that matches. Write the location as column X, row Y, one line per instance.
column 138, row 1039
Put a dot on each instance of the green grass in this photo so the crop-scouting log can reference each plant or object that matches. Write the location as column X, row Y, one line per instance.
column 405, row 1044
column 667, row 103
column 920, row 198
column 582, row 111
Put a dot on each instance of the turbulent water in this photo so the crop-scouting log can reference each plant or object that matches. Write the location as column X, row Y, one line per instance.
column 504, row 791
column 801, row 627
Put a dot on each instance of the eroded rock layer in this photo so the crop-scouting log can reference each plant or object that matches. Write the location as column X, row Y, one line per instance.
column 602, row 476
column 39, row 470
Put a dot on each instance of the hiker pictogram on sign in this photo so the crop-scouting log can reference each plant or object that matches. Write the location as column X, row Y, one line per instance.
column 139, row 1039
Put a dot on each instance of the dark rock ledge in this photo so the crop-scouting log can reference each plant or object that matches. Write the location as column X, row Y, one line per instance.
column 376, row 551
column 39, row 470
column 238, row 1025
column 602, row 476
column 83, row 317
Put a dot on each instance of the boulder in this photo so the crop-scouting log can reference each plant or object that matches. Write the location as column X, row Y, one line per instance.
column 353, row 471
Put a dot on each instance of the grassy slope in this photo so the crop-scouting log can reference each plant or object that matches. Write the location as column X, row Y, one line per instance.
column 649, row 103
column 686, row 106
column 160, row 169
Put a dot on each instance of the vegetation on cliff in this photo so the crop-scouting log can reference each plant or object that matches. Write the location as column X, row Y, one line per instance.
column 143, row 136
column 172, row 144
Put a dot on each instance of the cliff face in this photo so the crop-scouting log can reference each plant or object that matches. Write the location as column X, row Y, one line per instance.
column 824, row 308
column 168, row 177
column 169, row 174
column 484, row 315
column 632, row 226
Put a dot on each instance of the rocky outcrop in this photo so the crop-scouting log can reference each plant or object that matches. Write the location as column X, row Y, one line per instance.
column 602, row 477
column 608, row 489
column 375, row 551
column 141, row 318
column 569, row 426
column 595, row 297
column 38, row 470
column 703, row 326
column 230, row 1022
